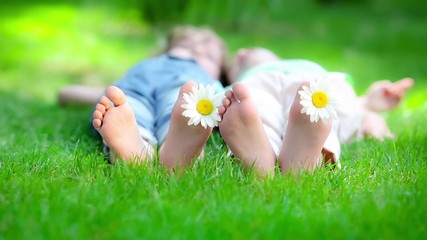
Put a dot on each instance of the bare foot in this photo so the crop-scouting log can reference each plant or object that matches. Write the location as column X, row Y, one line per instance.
column 304, row 140
column 385, row 95
column 242, row 130
column 118, row 128
column 183, row 143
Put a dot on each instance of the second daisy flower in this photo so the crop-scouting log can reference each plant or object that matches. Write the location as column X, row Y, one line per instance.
column 317, row 101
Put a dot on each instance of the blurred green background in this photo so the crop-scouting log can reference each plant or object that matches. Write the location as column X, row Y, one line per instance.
column 48, row 44
column 55, row 184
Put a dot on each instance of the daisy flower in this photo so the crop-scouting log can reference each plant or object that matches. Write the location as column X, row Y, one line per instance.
column 317, row 101
column 202, row 106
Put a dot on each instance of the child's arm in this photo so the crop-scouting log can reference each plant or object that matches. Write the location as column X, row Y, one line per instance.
column 385, row 95
column 381, row 96
column 375, row 126
column 79, row 95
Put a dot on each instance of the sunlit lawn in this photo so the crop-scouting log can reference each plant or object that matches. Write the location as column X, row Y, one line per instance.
column 55, row 183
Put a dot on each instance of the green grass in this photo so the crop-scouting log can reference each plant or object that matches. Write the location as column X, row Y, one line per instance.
column 56, row 184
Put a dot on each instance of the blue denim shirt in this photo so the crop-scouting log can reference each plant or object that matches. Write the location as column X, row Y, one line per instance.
column 152, row 87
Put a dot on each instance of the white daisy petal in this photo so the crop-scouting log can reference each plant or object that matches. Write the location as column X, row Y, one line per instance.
column 304, row 110
column 197, row 119
column 311, row 110
column 187, row 113
column 210, row 90
column 312, row 118
column 190, row 121
column 216, row 117
column 215, row 124
column 209, row 122
column 332, row 112
column 189, row 99
column 218, row 99
column 187, row 106
column 324, row 114
column 306, row 89
column 193, row 121
column 313, row 87
column 203, row 99
column 203, row 123
column 306, row 103
column 321, row 113
column 318, row 101
column 316, row 116
column 304, row 95
column 194, row 89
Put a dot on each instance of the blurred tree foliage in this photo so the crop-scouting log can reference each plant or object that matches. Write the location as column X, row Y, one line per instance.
column 263, row 16
column 162, row 11
column 236, row 13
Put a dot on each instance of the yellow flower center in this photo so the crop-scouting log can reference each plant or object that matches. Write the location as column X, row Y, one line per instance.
column 320, row 99
column 205, row 107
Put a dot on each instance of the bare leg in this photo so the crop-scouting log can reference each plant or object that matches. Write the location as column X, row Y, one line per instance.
column 79, row 94
column 303, row 143
column 183, row 143
column 242, row 130
column 118, row 128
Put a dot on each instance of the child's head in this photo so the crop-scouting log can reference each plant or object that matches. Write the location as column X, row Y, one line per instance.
column 246, row 59
column 206, row 47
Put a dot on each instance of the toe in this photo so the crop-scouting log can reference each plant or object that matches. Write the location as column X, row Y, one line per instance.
column 221, row 110
column 104, row 103
column 187, row 87
column 229, row 97
column 226, row 102
column 241, row 92
column 116, row 95
column 101, row 108
column 97, row 115
column 97, row 123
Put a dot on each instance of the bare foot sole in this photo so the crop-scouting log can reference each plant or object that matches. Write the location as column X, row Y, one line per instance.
column 183, row 143
column 117, row 125
column 242, row 130
column 304, row 140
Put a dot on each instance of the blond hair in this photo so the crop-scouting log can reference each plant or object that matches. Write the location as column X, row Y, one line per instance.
column 189, row 36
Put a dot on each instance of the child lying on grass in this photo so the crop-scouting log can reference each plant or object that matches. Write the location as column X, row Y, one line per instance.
column 263, row 122
column 143, row 109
